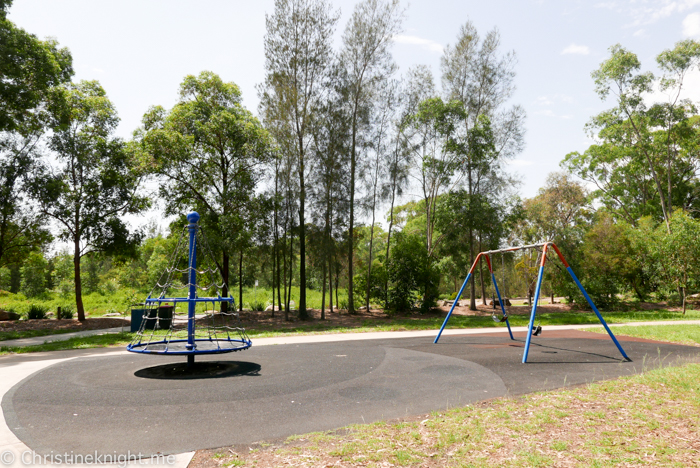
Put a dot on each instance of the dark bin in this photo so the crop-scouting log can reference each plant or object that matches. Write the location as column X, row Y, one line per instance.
column 165, row 317
column 136, row 319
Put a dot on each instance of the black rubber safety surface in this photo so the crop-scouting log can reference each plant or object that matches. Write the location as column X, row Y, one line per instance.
column 154, row 404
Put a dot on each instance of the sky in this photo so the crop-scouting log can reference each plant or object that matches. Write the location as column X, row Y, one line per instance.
column 140, row 50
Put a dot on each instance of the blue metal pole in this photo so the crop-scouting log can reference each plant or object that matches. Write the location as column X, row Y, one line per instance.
column 459, row 294
column 534, row 309
column 595, row 309
column 500, row 301
column 192, row 218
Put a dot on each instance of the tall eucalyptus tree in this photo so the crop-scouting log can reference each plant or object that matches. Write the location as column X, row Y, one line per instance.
column 298, row 53
column 475, row 74
column 367, row 59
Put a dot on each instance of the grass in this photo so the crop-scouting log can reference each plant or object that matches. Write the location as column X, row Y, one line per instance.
column 687, row 334
column 645, row 420
column 97, row 304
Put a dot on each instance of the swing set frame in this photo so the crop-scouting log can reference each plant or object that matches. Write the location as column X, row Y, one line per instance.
column 544, row 246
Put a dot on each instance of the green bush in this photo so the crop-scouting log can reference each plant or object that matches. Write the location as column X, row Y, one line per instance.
column 257, row 306
column 34, row 275
column 411, row 275
column 377, row 289
column 36, row 312
column 67, row 312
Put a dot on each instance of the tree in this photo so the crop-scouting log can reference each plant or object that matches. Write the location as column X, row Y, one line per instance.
column 94, row 182
column 409, row 271
column 367, row 60
column 29, row 68
column 298, row 53
column 33, row 275
column 673, row 256
column 329, row 180
column 210, row 153
column 645, row 161
column 476, row 75
column 22, row 227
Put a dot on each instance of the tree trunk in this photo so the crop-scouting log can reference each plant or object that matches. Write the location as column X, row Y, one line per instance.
column 388, row 242
column 225, row 276
column 351, row 243
column 284, row 274
column 291, row 270
column 303, row 315
column 240, row 281
column 472, row 286
column 337, row 283
column 369, row 266
column 481, row 274
column 78, row 286
column 323, row 294
column 330, row 283
column 273, row 281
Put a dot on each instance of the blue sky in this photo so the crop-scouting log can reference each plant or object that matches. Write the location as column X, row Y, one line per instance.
column 141, row 50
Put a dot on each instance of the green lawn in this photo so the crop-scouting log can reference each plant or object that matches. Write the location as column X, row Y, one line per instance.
column 682, row 333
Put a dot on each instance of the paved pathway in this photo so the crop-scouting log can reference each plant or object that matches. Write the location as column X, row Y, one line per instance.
column 325, row 338
column 38, row 340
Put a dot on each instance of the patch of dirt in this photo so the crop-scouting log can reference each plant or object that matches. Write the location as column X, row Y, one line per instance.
column 97, row 323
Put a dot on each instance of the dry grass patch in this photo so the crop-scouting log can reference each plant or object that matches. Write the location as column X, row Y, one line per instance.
column 651, row 419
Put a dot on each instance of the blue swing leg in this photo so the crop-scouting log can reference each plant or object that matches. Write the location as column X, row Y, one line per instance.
column 595, row 309
column 500, row 301
column 534, row 309
column 459, row 294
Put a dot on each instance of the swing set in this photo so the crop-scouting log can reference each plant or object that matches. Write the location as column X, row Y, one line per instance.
column 542, row 248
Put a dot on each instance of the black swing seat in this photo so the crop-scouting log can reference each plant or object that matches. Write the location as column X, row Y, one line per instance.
column 496, row 318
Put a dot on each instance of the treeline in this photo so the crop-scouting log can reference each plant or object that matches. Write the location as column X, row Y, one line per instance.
column 294, row 199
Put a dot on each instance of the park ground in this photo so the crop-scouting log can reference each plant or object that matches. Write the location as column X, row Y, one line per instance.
column 652, row 419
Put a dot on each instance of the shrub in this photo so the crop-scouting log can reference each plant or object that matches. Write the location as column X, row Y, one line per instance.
column 257, row 306
column 67, row 312
column 411, row 275
column 34, row 275
column 36, row 312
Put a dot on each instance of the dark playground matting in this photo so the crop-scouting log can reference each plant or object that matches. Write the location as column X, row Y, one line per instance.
column 149, row 404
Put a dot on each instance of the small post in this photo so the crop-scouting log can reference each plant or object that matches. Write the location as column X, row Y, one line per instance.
column 58, row 313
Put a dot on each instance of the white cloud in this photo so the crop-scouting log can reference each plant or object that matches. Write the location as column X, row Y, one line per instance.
column 654, row 10
column 639, row 33
column 554, row 99
column 691, row 25
column 426, row 44
column 576, row 49
column 551, row 113
column 521, row 162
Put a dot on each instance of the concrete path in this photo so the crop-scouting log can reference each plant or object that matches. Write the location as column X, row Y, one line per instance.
column 325, row 338
column 38, row 340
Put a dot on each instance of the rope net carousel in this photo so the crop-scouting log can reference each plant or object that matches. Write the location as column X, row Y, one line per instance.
column 202, row 323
